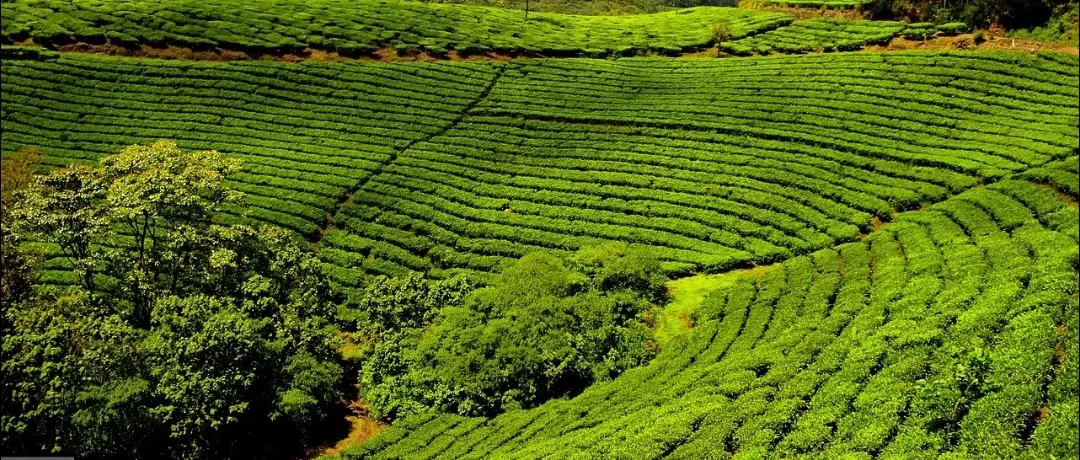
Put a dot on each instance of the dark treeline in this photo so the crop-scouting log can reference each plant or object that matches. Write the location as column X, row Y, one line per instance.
column 980, row 13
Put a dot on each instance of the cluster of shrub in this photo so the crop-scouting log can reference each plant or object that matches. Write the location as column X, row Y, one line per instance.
column 184, row 337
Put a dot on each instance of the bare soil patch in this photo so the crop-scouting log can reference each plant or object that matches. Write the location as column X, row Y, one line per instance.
column 991, row 41
column 361, row 428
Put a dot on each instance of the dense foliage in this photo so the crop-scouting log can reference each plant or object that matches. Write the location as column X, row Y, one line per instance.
column 182, row 338
column 953, row 331
column 364, row 26
column 1063, row 26
column 544, row 328
column 1010, row 13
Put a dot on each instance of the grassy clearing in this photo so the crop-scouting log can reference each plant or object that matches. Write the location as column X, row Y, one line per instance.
column 688, row 294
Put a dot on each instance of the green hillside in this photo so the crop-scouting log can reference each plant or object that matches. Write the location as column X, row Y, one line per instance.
column 472, row 165
column 835, row 35
column 935, row 336
column 383, row 229
column 359, row 27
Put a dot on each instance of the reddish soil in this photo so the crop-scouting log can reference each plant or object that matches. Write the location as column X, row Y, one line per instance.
column 1043, row 412
column 361, row 428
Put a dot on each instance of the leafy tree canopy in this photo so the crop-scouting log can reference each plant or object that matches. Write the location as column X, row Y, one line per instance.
column 183, row 338
column 546, row 327
column 1010, row 13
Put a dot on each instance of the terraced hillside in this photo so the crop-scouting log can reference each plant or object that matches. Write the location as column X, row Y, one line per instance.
column 894, row 234
column 952, row 330
column 306, row 133
column 825, row 34
column 718, row 164
column 358, row 27
column 471, row 165
column 817, row 34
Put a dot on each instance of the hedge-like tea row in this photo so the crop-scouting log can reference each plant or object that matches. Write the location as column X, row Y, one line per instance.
column 817, row 35
column 828, row 34
column 860, row 351
column 306, row 133
column 717, row 163
column 363, row 26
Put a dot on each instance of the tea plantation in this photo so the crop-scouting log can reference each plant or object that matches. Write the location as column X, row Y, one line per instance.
column 472, row 165
column 835, row 35
column 358, row 27
column 940, row 335
column 896, row 233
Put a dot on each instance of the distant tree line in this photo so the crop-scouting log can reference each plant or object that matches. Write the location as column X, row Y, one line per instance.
column 980, row 13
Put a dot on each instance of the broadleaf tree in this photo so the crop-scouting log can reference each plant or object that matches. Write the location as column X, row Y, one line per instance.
column 184, row 338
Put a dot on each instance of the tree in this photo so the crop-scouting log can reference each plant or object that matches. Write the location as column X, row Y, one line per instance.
column 17, row 273
column 545, row 327
column 161, row 197
column 184, row 337
column 386, row 319
column 978, row 13
column 721, row 32
column 16, row 172
column 395, row 304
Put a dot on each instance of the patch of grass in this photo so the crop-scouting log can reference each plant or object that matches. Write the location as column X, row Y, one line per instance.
column 687, row 295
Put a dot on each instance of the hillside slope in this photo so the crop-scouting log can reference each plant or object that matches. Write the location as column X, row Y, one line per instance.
column 951, row 330
column 432, row 167
column 358, row 27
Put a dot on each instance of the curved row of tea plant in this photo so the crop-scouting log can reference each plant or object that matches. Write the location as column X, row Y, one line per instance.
column 828, row 34
column 364, row 26
column 471, row 165
column 834, row 35
column 817, row 35
column 952, row 330
column 306, row 133
column 1060, row 174
column 718, row 163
